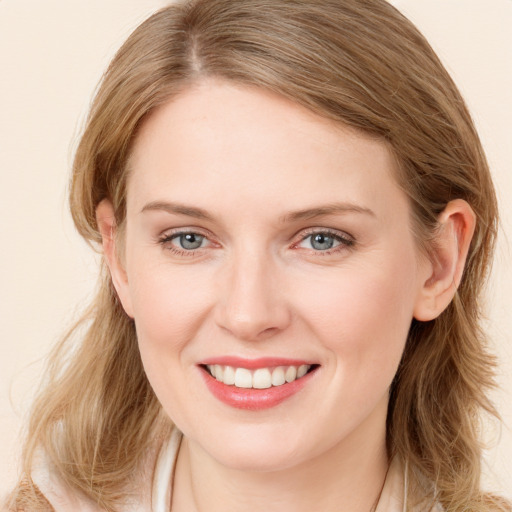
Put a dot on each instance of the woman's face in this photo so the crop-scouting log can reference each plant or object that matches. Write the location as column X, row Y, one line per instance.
column 264, row 240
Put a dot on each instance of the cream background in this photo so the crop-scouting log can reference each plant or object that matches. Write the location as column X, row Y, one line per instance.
column 52, row 54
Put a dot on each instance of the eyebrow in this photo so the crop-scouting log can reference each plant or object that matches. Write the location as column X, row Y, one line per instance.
column 177, row 208
column 321, row 211
column 306, row 214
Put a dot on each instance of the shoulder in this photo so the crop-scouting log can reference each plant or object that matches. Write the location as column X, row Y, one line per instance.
column 152, row 486
column 398, row 495
column 59, row 495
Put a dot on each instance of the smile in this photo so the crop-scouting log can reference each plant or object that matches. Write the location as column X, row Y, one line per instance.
column 261, row 378
column 256, row 384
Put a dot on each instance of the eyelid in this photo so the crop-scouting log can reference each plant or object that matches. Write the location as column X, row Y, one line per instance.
column 346, row 240
column 167, row 237
column 174, row 232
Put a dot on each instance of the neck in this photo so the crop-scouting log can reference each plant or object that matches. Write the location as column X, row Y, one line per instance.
column 350, row 474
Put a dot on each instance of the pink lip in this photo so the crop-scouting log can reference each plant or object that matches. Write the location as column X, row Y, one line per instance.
column 253, row 364
column 254, row 399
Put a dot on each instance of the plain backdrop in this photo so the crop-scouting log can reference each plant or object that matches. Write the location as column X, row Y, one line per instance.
column 52, row 55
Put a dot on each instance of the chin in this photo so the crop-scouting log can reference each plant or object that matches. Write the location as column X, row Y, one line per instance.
column 256, row 461
column 262, row 450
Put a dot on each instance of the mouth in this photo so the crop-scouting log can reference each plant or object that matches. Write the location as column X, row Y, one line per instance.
column 261, row 378
column 252, row 385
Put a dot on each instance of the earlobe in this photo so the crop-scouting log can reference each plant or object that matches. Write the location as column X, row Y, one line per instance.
column 105, row 218
column 448, row 257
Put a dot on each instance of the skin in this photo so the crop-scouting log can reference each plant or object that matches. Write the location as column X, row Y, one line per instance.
column 257, row 287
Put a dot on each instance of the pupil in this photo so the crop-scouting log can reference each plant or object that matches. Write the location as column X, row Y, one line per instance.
column 322, row 242
column 191, row 241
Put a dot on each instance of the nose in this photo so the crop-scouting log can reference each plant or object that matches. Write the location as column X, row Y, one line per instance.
column 252, row 302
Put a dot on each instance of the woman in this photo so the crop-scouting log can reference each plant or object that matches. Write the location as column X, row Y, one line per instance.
column 297, row 219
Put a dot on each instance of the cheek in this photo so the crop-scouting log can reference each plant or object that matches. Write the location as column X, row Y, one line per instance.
column 169, row 309
column 362, row 316
column 168, row 303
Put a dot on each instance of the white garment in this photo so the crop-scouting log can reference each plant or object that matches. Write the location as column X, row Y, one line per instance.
column 157, row 496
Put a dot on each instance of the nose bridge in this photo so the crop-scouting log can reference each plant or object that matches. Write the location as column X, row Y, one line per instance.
column 251, row 304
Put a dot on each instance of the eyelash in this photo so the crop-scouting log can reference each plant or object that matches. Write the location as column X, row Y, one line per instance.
column 345, row 241
column 167, row 239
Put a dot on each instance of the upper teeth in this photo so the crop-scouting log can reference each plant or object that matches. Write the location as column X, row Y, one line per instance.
column 261, row 378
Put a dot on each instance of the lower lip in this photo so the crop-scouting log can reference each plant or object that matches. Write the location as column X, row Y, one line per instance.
column 254, row 399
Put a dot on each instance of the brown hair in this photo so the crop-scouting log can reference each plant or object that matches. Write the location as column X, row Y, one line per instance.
column 359, row 63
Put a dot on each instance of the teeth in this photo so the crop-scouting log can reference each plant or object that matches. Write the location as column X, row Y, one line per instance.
column 262, row 378
column 278, row 377
column 243, row 378
column 291, row 374
column 229, row 375
column 302, row 370
column 219, row 373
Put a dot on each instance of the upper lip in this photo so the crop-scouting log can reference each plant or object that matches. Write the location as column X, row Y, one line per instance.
column 250, row 364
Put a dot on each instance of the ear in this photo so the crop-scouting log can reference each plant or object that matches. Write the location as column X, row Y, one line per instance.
column 106, row 221
column 450, row 249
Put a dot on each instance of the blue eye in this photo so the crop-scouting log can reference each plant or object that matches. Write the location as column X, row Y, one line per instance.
column 187, row 244
column 189, row 241
column 325, row 241
column 322, row 241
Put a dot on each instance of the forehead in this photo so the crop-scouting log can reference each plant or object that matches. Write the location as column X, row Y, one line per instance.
column 217, row 140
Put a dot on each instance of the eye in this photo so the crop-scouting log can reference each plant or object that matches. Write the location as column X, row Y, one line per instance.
column 184, row 242
column 189, row 241
column 322, row 241
column 325, row 241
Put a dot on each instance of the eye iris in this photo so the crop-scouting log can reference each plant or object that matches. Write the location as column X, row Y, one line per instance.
column 322, row 242
column 191, row 241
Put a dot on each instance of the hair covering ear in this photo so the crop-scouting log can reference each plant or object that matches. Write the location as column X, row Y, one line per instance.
column 450, row 248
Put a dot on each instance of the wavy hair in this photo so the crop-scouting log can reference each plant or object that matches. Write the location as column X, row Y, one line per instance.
column 359, row 63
